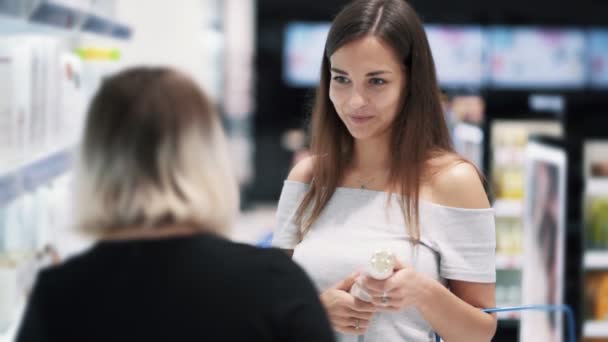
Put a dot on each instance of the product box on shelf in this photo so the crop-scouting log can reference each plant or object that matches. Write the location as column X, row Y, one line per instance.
column 72, row 99
column 596, row 222
column 596, row 296
column 595, row 306
column 508, row 144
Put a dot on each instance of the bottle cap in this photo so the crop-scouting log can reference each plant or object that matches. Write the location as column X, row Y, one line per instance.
column 382, row 264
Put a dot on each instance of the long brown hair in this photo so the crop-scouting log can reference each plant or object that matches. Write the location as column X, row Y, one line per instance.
column 419, row 130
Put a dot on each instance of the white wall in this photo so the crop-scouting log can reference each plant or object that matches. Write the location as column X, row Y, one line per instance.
column 170, row 33
column 213, row 42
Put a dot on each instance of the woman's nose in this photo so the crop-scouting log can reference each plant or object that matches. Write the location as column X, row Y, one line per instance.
column 357, row 99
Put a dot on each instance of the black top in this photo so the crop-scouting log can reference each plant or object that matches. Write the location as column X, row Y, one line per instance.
column 196, row 288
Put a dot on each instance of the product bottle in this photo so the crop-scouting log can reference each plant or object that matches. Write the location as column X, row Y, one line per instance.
column 380, row 267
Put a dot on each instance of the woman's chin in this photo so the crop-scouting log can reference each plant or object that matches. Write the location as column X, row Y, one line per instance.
column 361, row 135
column 365, row 134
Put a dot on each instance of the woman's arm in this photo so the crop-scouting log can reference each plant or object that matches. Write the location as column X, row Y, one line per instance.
column 455, row 313
column 301, row 172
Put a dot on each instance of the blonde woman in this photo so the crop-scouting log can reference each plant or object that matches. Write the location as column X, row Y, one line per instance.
column 155, row 188
column 384, row 175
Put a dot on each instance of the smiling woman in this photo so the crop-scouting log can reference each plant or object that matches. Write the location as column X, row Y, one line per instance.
column 383, row 175
column 367, row 95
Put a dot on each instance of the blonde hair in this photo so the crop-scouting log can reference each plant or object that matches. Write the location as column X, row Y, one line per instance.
column 153, row 154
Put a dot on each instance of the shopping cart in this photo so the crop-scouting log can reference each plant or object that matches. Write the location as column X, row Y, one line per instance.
column 557, row 308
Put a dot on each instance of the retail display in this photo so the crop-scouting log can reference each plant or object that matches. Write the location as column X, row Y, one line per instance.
column 509, row 231
column 303, row 52
column 509, row 139
column 529, row 57
column 502, row 57
column 44, row 89
column 508, row 291
column 596, row 222
column 595, row 239
column 458, row 53
column 598, row 55
column 596, row 296
column 544, row 240
column 595, row 306
column 465, row 116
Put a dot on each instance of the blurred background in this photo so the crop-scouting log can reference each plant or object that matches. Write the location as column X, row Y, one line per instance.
column 525, row 93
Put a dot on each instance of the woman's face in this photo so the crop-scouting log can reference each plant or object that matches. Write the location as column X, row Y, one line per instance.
column 366, row 87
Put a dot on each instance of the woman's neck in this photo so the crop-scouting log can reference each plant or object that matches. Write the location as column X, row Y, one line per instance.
column 371, row 155
column 142, row 233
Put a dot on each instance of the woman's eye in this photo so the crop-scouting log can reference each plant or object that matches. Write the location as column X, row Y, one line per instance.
column 340, row 79
column 377, row 81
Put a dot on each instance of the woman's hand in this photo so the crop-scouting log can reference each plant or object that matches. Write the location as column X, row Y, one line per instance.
column 398, row 291
column 347, row 314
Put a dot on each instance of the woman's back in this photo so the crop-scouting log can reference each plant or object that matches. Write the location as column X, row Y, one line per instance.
column 199, row 287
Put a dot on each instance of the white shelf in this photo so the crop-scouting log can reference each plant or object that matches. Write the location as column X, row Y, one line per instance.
column 63, row 19
column 596, row 260
column 468, row 132
column 32, row 157
column 10, row 319
column 10, row 334
column 595, row 329
column 30, row 173
column 508, row 262
column 508, row 208
column 596, row 187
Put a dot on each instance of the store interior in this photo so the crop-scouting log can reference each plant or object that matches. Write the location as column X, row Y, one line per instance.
column 525, row 94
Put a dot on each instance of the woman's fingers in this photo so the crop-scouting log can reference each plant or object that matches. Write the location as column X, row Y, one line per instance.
column 353, row 326
column 362, row 306
column 360, row 315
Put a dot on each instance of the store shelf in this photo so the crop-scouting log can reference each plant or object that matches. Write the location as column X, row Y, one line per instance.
column 596, row 260
column 9, row 334
column 10, row 319
column 61, row 18
column 508, row 208
column 9, row 189
column 596, row 187
column 595, row 329
column 468, row 132
column 29, row 175
column 508, row 262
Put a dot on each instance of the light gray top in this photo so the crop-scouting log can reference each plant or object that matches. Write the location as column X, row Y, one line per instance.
column 456, row 243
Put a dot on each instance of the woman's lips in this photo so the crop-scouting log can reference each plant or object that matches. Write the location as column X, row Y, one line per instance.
column 360, row 119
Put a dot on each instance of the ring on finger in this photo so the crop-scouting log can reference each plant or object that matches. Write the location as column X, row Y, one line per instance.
column 385, row 299
column 357, row 323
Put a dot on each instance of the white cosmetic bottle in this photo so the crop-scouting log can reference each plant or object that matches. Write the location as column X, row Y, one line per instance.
column 381, row 266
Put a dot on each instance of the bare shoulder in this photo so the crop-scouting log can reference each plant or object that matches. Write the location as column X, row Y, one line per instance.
column 302, row 171
column 458, row 184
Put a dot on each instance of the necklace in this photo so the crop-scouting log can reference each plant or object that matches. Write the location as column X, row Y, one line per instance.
column 363, row 183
